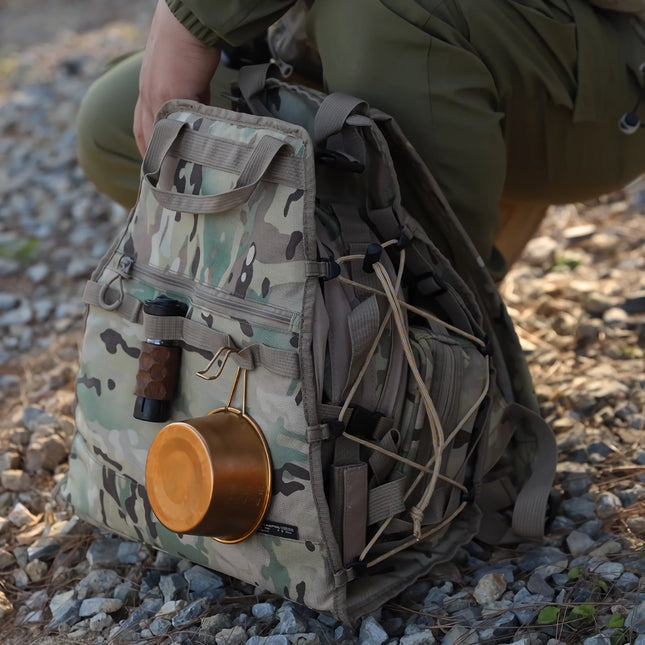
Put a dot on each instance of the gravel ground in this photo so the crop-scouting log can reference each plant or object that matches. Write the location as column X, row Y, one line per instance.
column 578, row 299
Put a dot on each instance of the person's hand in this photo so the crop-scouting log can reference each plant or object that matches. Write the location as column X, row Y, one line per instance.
column 175, row 65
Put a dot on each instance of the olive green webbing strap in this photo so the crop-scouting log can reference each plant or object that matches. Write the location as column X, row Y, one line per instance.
column 530, row 505
column 277, row 361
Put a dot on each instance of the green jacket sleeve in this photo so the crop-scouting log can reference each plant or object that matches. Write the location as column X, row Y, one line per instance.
column 231, row 21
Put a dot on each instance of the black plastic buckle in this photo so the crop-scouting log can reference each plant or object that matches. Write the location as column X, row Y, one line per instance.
column 333, row 269
column 363, row 422
column 336, row 427
column 372, row 255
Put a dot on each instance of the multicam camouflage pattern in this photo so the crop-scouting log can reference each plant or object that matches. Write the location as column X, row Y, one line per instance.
column 258, row 274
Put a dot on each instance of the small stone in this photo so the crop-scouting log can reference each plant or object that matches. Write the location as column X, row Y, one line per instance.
column 627, row 582
column 100, row 582
column 537, row 584
column 191, row 612
column 202, row 581
column 159, row 626
column 9, row 461
column 172, row 585
column 21, row 516
column 125, row 592
column 231, row 636
column 579, row 543
column 565, row 324
column 371, row 632
column 104, row 552
column 635, row 303
column 611, row 547
column 615, row 317
column 100, row 621
column 45, row 453
column 36, row 570
column 637, row 526
column 290, row 622
column 93, row 606
column 130, row 553
column 636, row 619
column 6, row 607
column 489, row 588
column 579, row 509
column 424, row 637
column 609, row 571
column 64, row 609
column 540, row 252
column 263, row 610
column 15, row 480
column 579, row 233
column 171, row 608
column 6, row 559
column 598, row 639
column 460, row 635
column 607, row 505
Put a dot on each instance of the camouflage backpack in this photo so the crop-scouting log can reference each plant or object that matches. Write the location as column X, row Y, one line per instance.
column 371, row 409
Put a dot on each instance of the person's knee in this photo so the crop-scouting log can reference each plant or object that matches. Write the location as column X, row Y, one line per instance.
column 106, row 148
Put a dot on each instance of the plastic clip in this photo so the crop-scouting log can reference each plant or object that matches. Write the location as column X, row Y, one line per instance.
column 372, row 256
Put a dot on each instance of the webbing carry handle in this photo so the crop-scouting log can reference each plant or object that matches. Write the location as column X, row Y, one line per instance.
column 166, row 132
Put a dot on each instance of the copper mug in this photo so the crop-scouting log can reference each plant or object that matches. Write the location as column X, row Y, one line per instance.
column 210, row 475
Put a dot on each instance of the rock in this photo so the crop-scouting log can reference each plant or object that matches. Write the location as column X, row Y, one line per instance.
column 609, row 571
column 172, row 586
column 371, row 632
column 104, row 552
column 635, row 619
column 536, row 584
column 159, row 626
column 9, row 461
column 93, row 606
column 15, row 480
column 232, row 636
column 489, row 588
column 6, row 559
column 540, row 252
column 424, row 637
column 607, row 505
column 45, row 454
column 635, row 303
column 579, row 543
column 190, row 613
column 36, row 570
column 202, row 582
column 64, row 609
column 579, row 508
column 6, row 607
column 100, row 621
column 615, row 317
column 21, row 516
column 459, row 635
column 263, row 610
column 290, row 622
column 579, row 233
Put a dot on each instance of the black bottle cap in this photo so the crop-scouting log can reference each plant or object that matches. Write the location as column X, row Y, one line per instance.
column 151, row 410
column 165, row 306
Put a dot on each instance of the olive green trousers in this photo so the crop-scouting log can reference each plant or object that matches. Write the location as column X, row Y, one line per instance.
column 513, row 104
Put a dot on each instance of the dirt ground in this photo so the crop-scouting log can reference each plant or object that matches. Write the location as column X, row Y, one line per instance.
column 27, row 22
